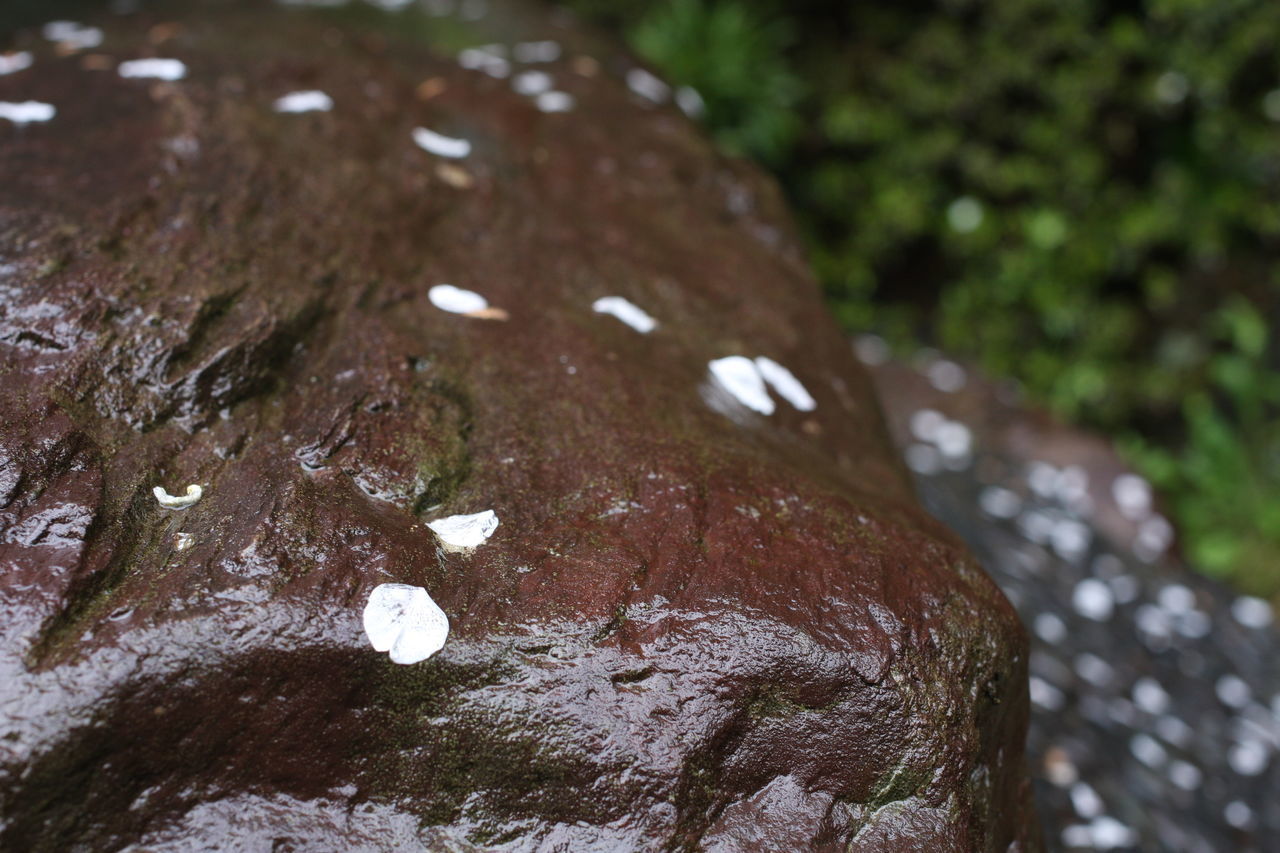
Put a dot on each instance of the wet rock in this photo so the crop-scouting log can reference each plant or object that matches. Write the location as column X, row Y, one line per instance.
column 673, row 620
column 1155, row 692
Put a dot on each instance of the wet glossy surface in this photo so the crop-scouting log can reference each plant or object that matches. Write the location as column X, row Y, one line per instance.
column 694, row 626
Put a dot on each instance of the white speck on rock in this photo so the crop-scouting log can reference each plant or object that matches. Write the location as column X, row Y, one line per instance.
column 1085, row 800
column 1155, row 536
column 455, row 300
column 1070, row 538
column 1238, row 814
column 785, row 384
column 688, row 100
column 1050, row 628
column 1233, row 691
column 1147, row 750
column 1046, row 695
column 531, row 82
column 1107, row 833
column 924, row 459
column 183, row 541
column 1173, row 730
column 1194, row 624
column 405, row 621
column 488, row 59
column 1248, row 758
column 871, row 349
column 158, row 69
column 647, row 86
column 925, row 423
column 441, row 146
column 1072, row 485
column 72, row 34
column 26, row 111
column 1153, row 621
column 554, row 102
column 14, row 62
column 1036, row 526
column 1176, row 598
column 304, row 102
column 1043, row 479
column 1252, row 612
column 947, row 376
column 1094, row 669
column 626, row 311
column 1092, row 599
column 1150, row 696
column 740, row 377
column 1185, row 775
column 999, row 502
column 168, row 501
column 460, row 532
column 1132, row 495
column 954, row 439
column 1076, row 835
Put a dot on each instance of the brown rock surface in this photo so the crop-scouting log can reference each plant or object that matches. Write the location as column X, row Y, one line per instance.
column 696, row 626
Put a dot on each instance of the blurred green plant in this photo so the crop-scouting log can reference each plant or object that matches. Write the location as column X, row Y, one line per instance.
column 1078, row 195
column 735, row 60
column 1223, row 477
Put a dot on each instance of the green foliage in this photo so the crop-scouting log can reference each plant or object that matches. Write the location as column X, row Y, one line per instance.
column 1080, row 195
column 1223, row 478
column 734, row 58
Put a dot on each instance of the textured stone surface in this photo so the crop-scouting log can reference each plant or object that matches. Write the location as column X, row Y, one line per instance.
column 696, row 625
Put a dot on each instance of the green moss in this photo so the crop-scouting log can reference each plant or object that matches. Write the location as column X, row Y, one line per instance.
column 142, row 539
column 440, row 751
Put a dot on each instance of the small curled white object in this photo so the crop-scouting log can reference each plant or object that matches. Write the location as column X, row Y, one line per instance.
column 554, row 102
column 490, row 59
column 459, row 532
column 531, row 83
column 26, row 111
column 72, row 35
column 740, row 377
column 626, row 311
column 647, row 85
column 749, row 382
column 11, row 63
column 304, row 102
column 786, row 384
column 159, row 69
column 168, row 501
column 688, row 100
column 441, row 146
column 404, row 620
column 455, row 300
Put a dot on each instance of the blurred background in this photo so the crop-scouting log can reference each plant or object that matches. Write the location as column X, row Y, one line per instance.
column 1080, row 197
